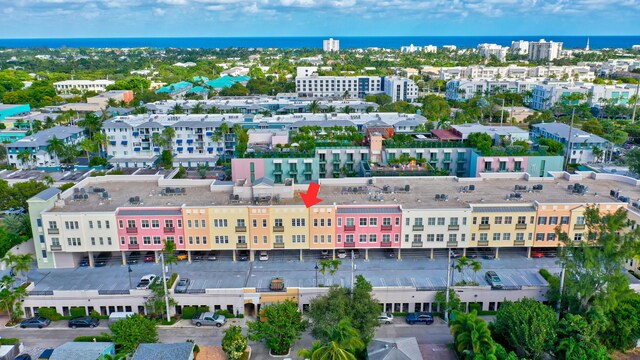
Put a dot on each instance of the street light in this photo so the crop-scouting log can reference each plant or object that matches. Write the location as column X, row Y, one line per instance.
column 446, row 309
column 316, row 268
column 130, row 271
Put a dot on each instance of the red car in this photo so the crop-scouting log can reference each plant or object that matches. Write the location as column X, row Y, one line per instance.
column 537, row 254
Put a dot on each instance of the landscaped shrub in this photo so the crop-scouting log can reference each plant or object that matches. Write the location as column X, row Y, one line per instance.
column 98, row 338
column 476, row 307
column 188, row 312
column 49, row 313
column 226, row 313
column 172, row 280
column 77, row 312
column 9, row 341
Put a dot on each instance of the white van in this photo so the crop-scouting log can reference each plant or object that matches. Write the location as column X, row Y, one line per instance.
column 115, row 316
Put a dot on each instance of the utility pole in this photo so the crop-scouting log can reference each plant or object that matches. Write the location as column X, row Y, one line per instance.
column 568, row 151
column 561, row 290
column 635, row 104
column 446, row 310
column 352, row 277
column 501, row 112
column 164, row 285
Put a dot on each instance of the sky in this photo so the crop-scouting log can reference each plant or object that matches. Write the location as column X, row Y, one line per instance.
column 231, row 18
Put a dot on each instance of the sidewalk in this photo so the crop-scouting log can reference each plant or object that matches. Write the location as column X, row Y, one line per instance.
column 180, row 324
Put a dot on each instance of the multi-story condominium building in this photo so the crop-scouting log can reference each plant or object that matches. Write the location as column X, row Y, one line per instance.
column 117, row 95
column 544, row 50
column 546, row 95
column 356, row 86
column 430, row 48
column 535, row 73
column 261, row 105
column 535, row 164
column 330, row 45
column 36, row 145
column 175, row 90
column 489, row 50
column 461, row 90
column 520, row 47
column 496, row 132
column 617, row 65
column 410, row 49
column 582, row 143
column 300, row 170
column 65, row 87
column 124, row 215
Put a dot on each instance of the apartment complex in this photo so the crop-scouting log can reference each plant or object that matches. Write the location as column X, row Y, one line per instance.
column 412, row 48
column 544, row 50
column 513, row 72
column 461, row 90
column 547, row 94
column 330, row 45
column 396, row 87
column 36, row 146
column 124, row 215
column 65, row 87
column 582, row 143
column 520, row 47
column 489, row 50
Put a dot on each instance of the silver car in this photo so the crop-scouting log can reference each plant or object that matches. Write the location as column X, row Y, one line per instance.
column 182, row 286
column 385, row 318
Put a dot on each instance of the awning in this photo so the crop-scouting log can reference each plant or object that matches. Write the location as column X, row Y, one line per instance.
column 503, row 159
column 488, row 160
column 518, row 159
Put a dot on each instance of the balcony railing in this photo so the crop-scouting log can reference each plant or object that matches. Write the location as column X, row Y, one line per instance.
column 278, row 229
column 483, row 243
column 169, row 230
column 241, row 245
column 132, row 230
column 241, row 229
column 418, row 227
column 386, row 227
column 579, row 227
column 416, row 244
column 349, row 228
column 518, row 243
column 134, row 246
column 484, row 227
column 278, row 245
column 521, row 226
column 349, row 244
column 452, row 244
column 56, row 247
column 454, row 227
column 53, row 231
column 385, row 244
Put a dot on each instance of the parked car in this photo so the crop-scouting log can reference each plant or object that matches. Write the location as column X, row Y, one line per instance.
column 493, row 279
column 208, row 319
column 385, row 318
column 133, row 258
column 146, row 281
column 35, row 322
column 181, row 255
column 537, row 254
column 243, row 255
column 15, row 211
column 23, row 357
column 389, row 253
column 197, row 257
column 264, row 256
column 150, row 256
column 325, row 255
column 46, row 354
column 341, row 253
column 417, row 317
column 212, row 256
column 84, row 262
column 102, row 259
column 182, row 286
column 85, row 321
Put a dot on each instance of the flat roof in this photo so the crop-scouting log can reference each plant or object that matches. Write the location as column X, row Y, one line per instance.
column 421, row 194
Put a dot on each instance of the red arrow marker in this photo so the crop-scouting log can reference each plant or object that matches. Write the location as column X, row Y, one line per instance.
column 311, row 197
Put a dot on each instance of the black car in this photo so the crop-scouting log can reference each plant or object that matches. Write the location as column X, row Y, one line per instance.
column 84, row 262
column 23, row 357
column 243, row 255
column 35, row 322
column 85, row 321
column 389, row 253
column 102, row 259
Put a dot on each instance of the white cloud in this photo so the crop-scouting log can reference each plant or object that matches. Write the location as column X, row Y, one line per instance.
column 159, row 11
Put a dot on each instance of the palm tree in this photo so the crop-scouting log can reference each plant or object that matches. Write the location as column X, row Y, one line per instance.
column 308, row 353
column 472, row 337
column 476, row 266
column 111, row 102
column 332, row 351
column 197, row 109
column 69, row 153
column 158, row 140
column 347, row 109
column 88, row 146
column 55, row 146
column 177, row 109
column 9, row 295
column 369, row 109
column 169, row 133
column 18, row 263
column 169, row 257
column 461, row 265
column 101, row 140
column 314, row 107
column 91, row 124
column 331, row 109
column 25, row 157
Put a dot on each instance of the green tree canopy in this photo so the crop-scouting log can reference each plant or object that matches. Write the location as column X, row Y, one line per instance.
column 279, row 325
column 234, row 343
column 132, row 331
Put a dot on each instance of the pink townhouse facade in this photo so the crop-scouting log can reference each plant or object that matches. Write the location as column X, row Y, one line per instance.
column 249, row 169
column 148, row 228
column 368, row 227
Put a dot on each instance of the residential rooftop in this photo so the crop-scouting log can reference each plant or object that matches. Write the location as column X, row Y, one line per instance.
column 421, row 192
column 41, row 138
column 561, row 131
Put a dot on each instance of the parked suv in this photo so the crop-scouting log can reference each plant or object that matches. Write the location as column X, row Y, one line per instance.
column 146, row 281
column 493, row 279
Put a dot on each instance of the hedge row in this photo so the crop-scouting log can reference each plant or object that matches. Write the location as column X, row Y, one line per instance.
column 99, row 338
column 188, row 312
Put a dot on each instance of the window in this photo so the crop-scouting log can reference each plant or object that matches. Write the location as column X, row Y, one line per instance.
column 475, row 220
column 431, row 221
column 373, row 221
column 328, row 239
column 298, row 222
column 453, row 221
column 431, row 237
column 155, row 224
column 577, row 237
column 564, row 220
column 398, row 221
column 241, row 239
column 453, row 237
column 315, row 223
column 339, row 239
column 522, row 220
column 329, row 222
column 157, row 240
column 417, row 238
column 497, row 220
column 168, row 223
column 542, row 220
column 196, row 223
column 170, row 239
column 553, row 220
column 386, row 221
column 91, row 225
column 440, row 221
column 254, row 223
column 551, row 237
column 373, row 238
column 239, row 222
column 496, row 236
column 539, row 237
column 298, row 239
column 93, row 241
column 106, row 224
column 221, row 222
column 519, row 236
column 363, row 221
column 348, row 238
column 484, row 236
column 146, row 240
column 179, row 223
column 277, row 222
column 190, row 240
column 54, row 225
column 506, row 236
column 363, row 238
column 133, row 240
column 339, row 223
column 71, row 225
column 484, row 220
column 144, row 224
column 439, row 237
column 131, row 224
column 580, row 220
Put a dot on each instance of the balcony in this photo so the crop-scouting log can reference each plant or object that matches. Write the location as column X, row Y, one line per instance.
column 132, row 230
column 446, row 161
column 386, row 227
column 241, row 229
column 293, row 172
column 278, row 229
column 416, row 244
column 484, row 227
column 483, row 243
column 418, row 227
column 349, row 244
column 53, row 231
column 169, row 230
column 579, row 227
column 521, row 226
column 385, row 244
column 308, row 171
column 452, row 244
column 349, row 228
column 454, row 227
column 278, row 245
column 323, row 161
column 241, row 245
column 518, row 243
column 277, row 172
column 134, row 246
column 56, row 247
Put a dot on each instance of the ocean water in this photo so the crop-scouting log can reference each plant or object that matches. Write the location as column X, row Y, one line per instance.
column 596, row 42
